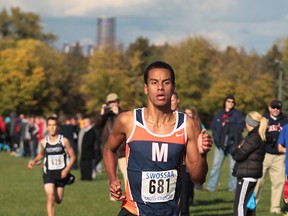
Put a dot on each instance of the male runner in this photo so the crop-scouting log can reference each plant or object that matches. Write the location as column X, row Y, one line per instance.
column 56, row 169
column 156, row 138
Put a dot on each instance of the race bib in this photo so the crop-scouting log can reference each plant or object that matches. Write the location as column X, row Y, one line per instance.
column 56, row 162
column 158, row 186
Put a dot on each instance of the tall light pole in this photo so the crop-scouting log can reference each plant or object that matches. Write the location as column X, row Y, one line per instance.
column 280, row 78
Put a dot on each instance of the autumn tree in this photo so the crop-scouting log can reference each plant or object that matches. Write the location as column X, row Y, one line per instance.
column 272, row 63
column 77, row 65
column 51, row 97
column 105, row 75
column 21, row 77
column 137, row 57
column 283, row 66
column 191, row 62
column 5, row 22
column 240, row 74
column 23, row 25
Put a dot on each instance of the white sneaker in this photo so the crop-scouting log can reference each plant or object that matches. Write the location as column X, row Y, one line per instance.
column 93, row 174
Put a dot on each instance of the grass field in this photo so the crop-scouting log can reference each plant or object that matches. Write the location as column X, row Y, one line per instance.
column 21, row 193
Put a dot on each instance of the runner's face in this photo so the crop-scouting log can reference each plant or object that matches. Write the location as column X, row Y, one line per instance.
column 52, row 127
column 159, row 87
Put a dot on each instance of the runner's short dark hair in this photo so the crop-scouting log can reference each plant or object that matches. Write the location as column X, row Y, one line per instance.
column 52, row 118
column 159, row 64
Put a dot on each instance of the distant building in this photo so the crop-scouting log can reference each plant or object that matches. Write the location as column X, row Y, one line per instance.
column 66, row 48
column 90, row 50
column 70, row 48
column 106, row 32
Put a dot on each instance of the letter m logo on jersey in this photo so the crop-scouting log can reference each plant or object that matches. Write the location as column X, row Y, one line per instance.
column 159, row 153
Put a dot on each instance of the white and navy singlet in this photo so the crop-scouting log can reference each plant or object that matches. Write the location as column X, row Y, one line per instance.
column 55, row 156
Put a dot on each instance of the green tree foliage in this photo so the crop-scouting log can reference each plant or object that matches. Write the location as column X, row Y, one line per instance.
column 271, row 63
column 240, row 74
column 63, row 78
column 284, row 67
column 145, row 52
column 46, row 92
column 35, row 78
column 191, row 62
column 22, row 25
column 52, row 97
column 51, row 92
column 106, row 74
column 134, row 78
column 5, row 22
column 138, row 55
column 77, row 66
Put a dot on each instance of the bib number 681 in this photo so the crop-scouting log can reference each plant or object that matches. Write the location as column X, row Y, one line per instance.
column 159, row 186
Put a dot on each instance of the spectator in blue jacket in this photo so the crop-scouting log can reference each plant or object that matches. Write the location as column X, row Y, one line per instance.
column 227, row 127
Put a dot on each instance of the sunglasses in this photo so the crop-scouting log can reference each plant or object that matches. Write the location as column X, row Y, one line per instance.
column 276, row 107
column 230, row 101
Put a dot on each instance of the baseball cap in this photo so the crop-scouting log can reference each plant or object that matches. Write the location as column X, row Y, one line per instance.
column 276, row 103
column 111, row 97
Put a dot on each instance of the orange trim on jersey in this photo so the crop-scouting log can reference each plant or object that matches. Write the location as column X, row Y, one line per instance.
column 140, row 132
column 178, row 137
column 128, row 204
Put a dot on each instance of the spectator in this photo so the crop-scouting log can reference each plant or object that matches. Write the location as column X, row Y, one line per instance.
column 2, row 132
column 227, row 127
column 109, row 113
column 249, row 156
column 187, row 185
column 87, row 150
column 68, row 131
column 24, row 136
column 73, row 121
column 33, row 132
column 192, row 112
column 7, row 142
column 15, row 134
column 274, row 160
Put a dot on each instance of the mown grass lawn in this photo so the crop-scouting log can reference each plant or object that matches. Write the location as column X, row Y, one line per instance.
column 21, row 193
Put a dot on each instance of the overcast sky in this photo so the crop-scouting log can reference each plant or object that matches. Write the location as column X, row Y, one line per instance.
column 252, row 24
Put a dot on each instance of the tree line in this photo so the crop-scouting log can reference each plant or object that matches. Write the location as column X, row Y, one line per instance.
column 36, row 78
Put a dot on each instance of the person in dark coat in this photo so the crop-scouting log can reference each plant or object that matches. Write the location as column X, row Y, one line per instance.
column 249, row 157
column 88, row 150
column 227, row 127
column 109, row 113
column 68, row 130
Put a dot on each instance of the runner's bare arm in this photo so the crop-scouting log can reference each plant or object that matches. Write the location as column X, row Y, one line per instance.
column 198, row 145
column 72, row 156
column 39, row 156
